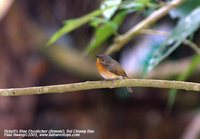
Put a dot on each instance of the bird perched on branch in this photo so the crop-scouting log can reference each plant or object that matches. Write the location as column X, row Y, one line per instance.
column 110, row 69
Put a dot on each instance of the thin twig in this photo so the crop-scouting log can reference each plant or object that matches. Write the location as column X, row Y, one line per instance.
column 192, row 45
column 121, row 40
column 195, row 47
column 101, row 84
column 154, row 32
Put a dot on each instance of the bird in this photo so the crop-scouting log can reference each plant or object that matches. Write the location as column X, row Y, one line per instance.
column 110, row 69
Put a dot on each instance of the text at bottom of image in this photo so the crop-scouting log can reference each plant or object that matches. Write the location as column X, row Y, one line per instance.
column 47, row 133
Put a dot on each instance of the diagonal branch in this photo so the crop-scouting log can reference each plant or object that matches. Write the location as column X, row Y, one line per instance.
column 88, row 85
column 165, row 34
column 123, row 39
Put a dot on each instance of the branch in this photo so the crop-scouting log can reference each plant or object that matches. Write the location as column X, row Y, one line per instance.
column 192, row 45
column 88, row 85
column 121, row 40
column 56, row 55
column 165, row 34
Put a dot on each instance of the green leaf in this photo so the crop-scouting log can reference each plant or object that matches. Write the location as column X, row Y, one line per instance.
column 182, row 77
column 184, row 28
column 136, row 4
column 96, row 22
column 72, row 24
column 129, row 5
column 184, row 9
column 109, row 13
column 145, row 2
column 103, row 32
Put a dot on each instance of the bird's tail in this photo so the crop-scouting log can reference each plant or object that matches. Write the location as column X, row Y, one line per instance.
column 129, row 89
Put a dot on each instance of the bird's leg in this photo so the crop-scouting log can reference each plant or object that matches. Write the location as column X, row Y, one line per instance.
column 112, row 83
column 112, row 80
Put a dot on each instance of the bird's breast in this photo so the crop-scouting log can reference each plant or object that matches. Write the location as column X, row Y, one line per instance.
column 104, row 72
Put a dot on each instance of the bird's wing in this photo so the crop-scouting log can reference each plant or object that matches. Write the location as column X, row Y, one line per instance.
column 116, row 68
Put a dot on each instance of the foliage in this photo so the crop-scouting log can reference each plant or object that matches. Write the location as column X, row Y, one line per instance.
column 111, row 21
column 183, row 10
column 73, row 24
column 188, row 23
column 110, row 16
column 185, row 27
column 182, row 77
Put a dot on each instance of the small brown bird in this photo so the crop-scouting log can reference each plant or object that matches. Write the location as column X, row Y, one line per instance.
column 110, row 69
